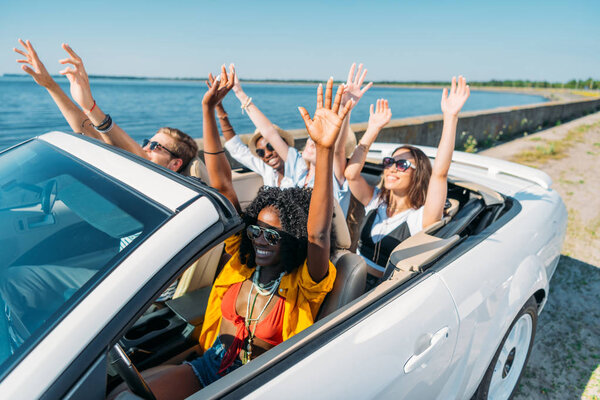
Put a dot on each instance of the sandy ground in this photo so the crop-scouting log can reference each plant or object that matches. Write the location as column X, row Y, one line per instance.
column 565, row 362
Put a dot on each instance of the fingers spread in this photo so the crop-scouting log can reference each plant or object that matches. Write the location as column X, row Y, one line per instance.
column 362, row 77
column 338, row 99
column 67, row 71
column 67, row 61
column 351, row 74
column 357, row 76
column 364, row 90
column 27, row 69
column 305, row 116
column 320, row 96
column 21, row 52
column 69, row 50
column 346, row 109
column 224, row 80
column 24, row 61
column 453, row 86
column 328, row 93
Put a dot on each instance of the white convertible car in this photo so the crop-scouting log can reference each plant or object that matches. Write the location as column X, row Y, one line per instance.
column 90, row 236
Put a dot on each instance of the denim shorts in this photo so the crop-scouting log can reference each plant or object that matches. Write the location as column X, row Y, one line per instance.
column 206, row 367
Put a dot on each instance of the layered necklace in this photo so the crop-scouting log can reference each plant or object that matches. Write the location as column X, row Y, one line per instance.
column 267, row 289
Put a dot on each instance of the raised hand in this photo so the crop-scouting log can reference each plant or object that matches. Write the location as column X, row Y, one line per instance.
column 36, row 68
column 453, row 101
column 352, row 88
column 78, row 77
column 218, row 87
column 237, row 88
column 325, row 126
column 381, row 115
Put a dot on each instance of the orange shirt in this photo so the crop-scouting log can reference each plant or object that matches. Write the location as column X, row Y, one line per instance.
column 303, row 296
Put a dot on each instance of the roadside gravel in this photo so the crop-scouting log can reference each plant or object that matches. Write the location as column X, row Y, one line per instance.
column 565, row 361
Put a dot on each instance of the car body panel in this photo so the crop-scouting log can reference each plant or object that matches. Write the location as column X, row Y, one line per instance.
column 106, row 300
column 369, row 359
column 154, row 185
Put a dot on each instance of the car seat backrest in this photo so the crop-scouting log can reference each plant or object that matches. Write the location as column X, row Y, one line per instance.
column 351, row 269
column 417, row 251
column 462, row 219
column 201, row 273
column 197, row 169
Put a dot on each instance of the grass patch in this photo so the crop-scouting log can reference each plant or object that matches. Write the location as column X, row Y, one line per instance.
column 535, row 139
column 597, row 144
column 554, row 149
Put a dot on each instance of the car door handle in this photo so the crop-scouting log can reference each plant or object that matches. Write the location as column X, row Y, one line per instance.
column 436, row 340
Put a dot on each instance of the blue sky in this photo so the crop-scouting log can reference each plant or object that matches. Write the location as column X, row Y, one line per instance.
column 396, row 40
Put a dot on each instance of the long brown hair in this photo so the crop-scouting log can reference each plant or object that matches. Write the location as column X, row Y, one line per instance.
column 417, row 191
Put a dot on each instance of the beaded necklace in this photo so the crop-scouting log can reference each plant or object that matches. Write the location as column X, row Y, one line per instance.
column 268, row 289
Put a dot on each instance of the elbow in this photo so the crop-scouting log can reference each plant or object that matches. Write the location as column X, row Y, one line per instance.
column 320, row 238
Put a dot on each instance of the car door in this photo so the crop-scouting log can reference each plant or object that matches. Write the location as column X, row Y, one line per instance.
column 400, row 350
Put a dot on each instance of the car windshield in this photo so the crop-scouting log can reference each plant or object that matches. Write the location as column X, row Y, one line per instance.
column 63, row 227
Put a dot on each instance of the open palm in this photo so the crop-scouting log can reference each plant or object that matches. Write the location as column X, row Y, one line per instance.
column 325, row 126
column 453, row 101
column 352, row 88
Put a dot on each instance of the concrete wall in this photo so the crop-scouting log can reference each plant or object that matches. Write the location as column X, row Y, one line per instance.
column 484, row 127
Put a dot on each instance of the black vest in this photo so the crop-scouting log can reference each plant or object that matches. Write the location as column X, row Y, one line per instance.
column 380, row 250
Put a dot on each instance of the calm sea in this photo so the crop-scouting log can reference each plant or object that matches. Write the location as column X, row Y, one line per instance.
column 141, row 107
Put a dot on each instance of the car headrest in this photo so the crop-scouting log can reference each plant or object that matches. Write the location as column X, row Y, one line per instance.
column 196, row 168
column 342, row 233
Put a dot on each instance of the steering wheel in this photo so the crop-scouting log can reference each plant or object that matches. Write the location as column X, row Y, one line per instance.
column 126, row 370
column 48, row 196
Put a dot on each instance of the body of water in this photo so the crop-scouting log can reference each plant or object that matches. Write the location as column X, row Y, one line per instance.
column 141, row 107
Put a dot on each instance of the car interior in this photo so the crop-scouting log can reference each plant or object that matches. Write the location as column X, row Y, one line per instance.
column 168, row 335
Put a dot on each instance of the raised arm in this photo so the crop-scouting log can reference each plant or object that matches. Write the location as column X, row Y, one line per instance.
column 82, row 94
column 452, row 103
column 324, row 129
column 217, row 165
column 379, row 117
column 226, row 127
column 352, row 94
column 76, row 119
column 260, row 121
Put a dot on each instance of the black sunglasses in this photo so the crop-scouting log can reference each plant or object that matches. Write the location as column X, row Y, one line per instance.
column 401, row 165
column 271, row 235
column 155, row 145
column 261, row 152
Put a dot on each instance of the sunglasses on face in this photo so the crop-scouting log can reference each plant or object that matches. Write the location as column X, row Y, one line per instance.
column 261, row 152
column 401, row 165
column 271, row 236
column 155, row 145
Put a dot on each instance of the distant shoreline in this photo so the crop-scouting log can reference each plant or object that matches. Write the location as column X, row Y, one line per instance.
column 552, row 94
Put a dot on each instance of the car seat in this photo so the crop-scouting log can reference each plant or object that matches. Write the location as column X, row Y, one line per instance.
column 202, row 272
column 351, row 269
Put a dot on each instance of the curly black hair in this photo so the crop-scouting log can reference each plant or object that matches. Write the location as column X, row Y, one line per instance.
column 292, row 204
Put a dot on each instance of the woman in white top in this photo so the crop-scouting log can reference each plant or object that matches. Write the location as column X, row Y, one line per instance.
column 412, row 194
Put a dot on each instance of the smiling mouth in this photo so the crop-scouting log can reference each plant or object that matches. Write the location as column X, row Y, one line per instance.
column 272, row 161
column 261, row 252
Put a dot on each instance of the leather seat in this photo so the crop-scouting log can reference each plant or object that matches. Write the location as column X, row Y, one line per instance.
column 351, row 276
column 202, row 272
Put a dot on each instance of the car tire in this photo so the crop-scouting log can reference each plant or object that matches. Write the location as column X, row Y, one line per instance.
column 504, row 372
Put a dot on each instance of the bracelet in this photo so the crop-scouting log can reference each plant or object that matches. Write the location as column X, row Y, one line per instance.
column 246, row 104
column 223, row 116
column 106, row 125
column 217, row 152
column 92, row 109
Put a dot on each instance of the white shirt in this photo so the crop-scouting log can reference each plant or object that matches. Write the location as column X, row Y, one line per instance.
column 294, row 166
column 384, row 225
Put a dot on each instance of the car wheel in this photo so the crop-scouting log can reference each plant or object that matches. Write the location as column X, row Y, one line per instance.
column 504, row 372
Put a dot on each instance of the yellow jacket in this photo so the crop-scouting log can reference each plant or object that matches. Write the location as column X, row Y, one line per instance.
column 302, row 295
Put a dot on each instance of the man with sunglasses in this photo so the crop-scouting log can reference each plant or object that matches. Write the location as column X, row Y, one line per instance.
column 169, row 147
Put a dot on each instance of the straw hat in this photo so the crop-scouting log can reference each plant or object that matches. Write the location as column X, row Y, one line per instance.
column 289, row 139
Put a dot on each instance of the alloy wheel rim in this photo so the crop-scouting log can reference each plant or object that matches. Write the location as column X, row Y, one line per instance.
column 512, row 359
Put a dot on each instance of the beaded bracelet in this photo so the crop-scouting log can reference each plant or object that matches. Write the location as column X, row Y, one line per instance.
column 246, row 104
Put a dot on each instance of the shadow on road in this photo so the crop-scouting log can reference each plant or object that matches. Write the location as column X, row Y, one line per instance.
column 566, row 350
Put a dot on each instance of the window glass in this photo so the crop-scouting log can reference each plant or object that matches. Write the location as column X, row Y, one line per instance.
column 63, row 226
